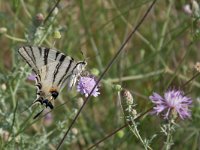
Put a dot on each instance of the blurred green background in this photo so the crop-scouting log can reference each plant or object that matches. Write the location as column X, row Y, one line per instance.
column 161, row 54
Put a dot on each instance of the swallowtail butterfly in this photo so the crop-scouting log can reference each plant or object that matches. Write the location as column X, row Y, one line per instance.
column 53, row 71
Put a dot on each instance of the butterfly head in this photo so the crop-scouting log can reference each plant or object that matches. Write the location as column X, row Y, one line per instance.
column 81, row 65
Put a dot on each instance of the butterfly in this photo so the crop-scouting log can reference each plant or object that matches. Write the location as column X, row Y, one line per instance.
column 54, row 70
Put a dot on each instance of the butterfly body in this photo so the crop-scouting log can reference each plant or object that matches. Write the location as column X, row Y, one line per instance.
column 53, row 71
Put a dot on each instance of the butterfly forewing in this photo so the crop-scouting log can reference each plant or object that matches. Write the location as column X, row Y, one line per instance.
column 37, row 57
column 29, row 57
column 53, row 68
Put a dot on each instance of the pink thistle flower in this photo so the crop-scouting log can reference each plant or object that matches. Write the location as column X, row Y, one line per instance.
column 85, row 86
column 173, row 101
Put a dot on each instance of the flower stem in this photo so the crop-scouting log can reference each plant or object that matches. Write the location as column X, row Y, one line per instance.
column 15, row 38
column 196, row 75
column 51, row 11
column 120, row 128
column 169, row 136
column 136, row 77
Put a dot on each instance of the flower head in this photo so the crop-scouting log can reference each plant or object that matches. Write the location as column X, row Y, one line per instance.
column 31, row 77
column 85, row 86
column 174, row 101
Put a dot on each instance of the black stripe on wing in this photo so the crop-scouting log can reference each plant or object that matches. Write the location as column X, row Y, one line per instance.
column 66, row 71
column 26, row 61
column 46, row 53
column 32, row 53
column 62, row 58
column 40, row 50
column 30, row 58
column 57, row 53
column 29, row 55
column 38, row 86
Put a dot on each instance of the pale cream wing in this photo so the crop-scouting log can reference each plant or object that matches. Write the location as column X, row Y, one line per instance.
column 37, row 57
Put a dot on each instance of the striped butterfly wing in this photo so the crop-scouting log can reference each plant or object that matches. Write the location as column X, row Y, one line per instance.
column 37, row 57
column 54, row 69
column 55, row 75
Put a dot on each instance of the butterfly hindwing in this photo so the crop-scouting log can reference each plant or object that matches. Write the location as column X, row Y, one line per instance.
column 71, row 79
column 54, row 74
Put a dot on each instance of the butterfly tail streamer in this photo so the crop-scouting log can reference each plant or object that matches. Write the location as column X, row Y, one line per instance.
column 38, row 114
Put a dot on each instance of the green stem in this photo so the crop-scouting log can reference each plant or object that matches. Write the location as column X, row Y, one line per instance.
column 169, row 137
column 136, row 77
column 25, row 9
column 163, row 32
column 146, row 41
column 15, row 38
column 45, row 35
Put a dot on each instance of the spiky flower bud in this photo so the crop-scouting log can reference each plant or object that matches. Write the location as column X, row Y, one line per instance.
column 128, row 105
column 39, row 17
column 126, row 97
column 38, row 20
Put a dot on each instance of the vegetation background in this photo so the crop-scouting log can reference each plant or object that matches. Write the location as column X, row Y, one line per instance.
column 161, row 54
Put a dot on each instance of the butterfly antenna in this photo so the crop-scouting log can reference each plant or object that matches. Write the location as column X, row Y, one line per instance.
column 38, row 114
column 84, row 55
